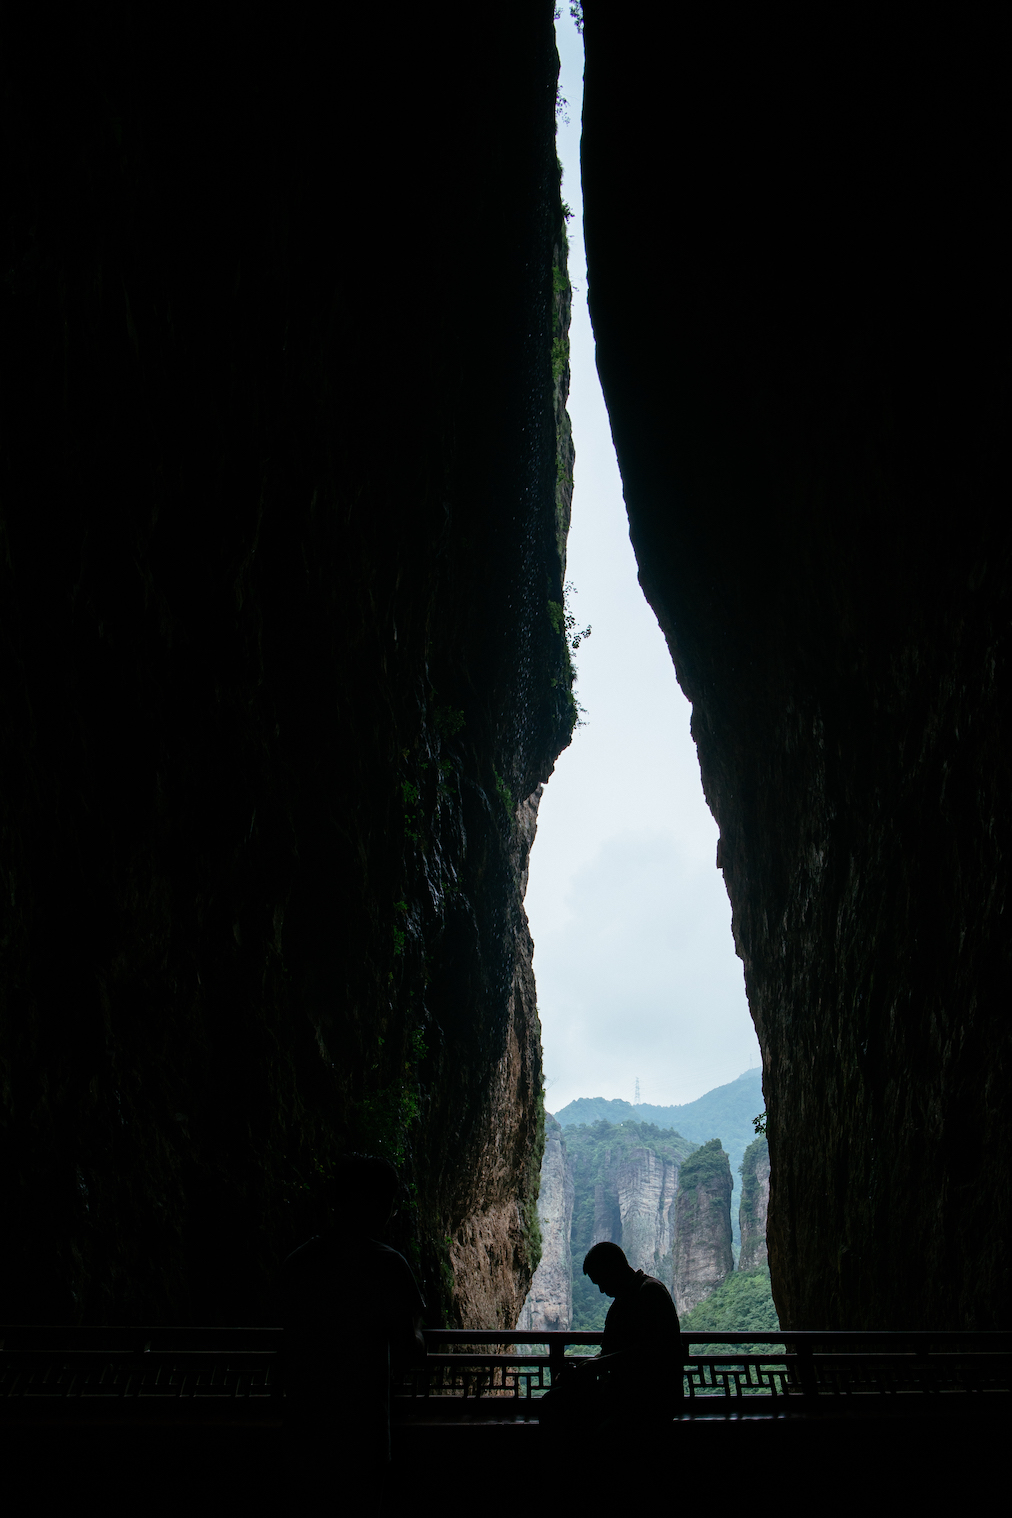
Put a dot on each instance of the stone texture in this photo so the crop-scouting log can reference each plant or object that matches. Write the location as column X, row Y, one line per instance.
column 625, row 1178
column 808, row 392
column 549, row 1302
column 702, row 1255
column 646, row 1185
column 755, row 1202
column 283, row 505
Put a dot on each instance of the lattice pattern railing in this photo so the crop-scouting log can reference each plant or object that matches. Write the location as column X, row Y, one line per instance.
column 509, row 1372
column 505, row 1373
column 153, row 1366
column 796, row 1368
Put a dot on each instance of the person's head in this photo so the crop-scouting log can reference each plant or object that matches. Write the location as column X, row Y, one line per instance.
column 363, row 1192
column 607, row 1267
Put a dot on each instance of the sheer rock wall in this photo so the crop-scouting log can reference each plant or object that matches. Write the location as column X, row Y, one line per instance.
column 602, row 1182
column 754, row 1208
column 549, row 1302
column 647, row 1184
column 625, row 1177
column 702, row 1258
column 798, row 285
column 282, row 513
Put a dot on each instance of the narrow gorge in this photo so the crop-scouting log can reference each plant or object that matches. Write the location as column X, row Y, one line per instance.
column 665, row 1201
column 810, row 412
column 285, row 487
column 283, row 522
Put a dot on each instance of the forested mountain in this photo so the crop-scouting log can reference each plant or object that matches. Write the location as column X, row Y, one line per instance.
column 726, row 1113
column 667, row 1201
column 625, row 1182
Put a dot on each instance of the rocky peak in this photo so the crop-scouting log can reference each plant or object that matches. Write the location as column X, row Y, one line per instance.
column 702, row 1243
column 601, row 1182
column 754, row 1206
column 549, row 1303
column 646, row 1185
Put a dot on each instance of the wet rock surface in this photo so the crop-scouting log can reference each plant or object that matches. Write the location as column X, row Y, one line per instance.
column 805, row 365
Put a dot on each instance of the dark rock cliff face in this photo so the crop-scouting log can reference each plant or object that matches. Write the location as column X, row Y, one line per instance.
column 798, row 283
column 755, row 1203
column 283, row 508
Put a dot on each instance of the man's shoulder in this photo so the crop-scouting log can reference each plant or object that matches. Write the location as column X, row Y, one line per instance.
column 386, row 1258
column 387, row 1251
column 306, row 1254
column 656, row 1299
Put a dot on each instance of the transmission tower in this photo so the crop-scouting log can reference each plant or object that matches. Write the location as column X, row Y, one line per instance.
column 637, row 1101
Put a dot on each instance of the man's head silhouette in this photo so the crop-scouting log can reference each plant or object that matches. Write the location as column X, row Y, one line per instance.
column 363, row 1191
column 608, row 1268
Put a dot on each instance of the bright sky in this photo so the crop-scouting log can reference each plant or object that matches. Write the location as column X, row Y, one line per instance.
column 634, row 959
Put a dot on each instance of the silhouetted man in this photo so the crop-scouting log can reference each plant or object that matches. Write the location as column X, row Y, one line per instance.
column 637, row 1375
column 352, row 1319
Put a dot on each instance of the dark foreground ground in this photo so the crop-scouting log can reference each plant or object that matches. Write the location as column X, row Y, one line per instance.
column 793, row 1463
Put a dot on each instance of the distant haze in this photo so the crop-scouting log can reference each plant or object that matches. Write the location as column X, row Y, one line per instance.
column 635, row 963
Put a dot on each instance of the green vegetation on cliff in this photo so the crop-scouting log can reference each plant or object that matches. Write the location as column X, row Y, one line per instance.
column 727, row 1110
column 275, row 671
column 707, row 1163
column 750, row 1188
column 743, row 1304
column 596, row 1153
column 529, row 1221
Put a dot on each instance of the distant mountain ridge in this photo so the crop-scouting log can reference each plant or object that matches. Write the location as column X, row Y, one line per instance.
column 622, row 1171
column 726, row 1113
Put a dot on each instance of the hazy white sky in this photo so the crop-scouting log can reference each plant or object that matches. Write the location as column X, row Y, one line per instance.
column 634, row 959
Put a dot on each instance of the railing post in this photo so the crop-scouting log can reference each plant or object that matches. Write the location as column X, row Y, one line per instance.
column 556, row 1356
column 276, row 1372
column 806, row 1369
column 140, row 1346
